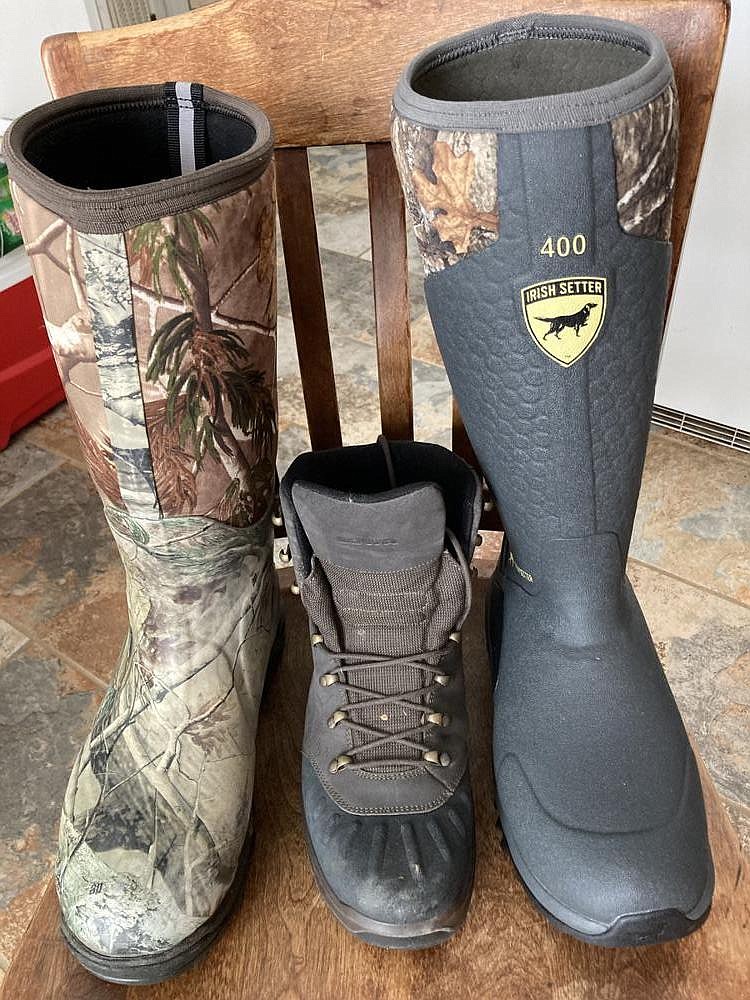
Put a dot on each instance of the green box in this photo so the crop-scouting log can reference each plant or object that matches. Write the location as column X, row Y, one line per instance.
column 10, row 234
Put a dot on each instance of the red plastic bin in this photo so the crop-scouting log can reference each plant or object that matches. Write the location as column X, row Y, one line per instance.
column 29, row 383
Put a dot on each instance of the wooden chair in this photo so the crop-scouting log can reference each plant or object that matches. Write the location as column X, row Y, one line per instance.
column 324, row 72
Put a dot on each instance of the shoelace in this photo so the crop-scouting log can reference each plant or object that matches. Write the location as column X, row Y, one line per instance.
column 430, row 718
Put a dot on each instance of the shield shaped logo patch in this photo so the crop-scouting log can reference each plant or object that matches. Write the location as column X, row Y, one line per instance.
column 565, row 316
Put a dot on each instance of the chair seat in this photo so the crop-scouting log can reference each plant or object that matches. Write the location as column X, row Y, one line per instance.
column 285, row 942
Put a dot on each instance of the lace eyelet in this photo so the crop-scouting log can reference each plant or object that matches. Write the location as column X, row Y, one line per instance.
column 339, row 762
column 438, row 719
column 437, row 757
column 338, row 716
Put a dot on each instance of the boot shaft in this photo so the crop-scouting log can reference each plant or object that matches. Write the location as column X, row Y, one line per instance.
column 538, row 159
column 148, row 215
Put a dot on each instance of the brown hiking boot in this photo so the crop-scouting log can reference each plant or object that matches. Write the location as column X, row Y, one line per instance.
column 381, row 538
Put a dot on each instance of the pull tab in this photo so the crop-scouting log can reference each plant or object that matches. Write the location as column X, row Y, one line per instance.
column 186, row 127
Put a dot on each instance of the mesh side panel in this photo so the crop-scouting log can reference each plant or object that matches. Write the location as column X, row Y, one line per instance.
column 386, row 614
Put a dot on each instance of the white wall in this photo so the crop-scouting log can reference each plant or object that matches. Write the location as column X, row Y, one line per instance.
column 705, row 366
column 23, row 25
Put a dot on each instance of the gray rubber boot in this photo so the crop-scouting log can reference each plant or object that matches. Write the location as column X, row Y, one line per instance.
column 148, row 215
column 538, row 160
column 381, row 538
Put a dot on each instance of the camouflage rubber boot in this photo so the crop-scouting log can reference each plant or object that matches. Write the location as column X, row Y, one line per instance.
column 381, row 539
column 148, row 214
column 538, row 159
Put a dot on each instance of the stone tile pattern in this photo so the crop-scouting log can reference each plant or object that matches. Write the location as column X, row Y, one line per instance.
column 62, row 606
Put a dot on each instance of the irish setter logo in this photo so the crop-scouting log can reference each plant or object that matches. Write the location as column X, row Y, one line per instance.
column 564, row 316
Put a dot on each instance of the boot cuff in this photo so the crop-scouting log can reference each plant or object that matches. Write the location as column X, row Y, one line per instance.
column 535, row 72
column 109, row 160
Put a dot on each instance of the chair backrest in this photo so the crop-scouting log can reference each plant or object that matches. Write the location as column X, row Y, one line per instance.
column 324, row 71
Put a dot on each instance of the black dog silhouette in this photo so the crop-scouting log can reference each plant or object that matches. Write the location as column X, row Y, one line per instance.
column 575, row 321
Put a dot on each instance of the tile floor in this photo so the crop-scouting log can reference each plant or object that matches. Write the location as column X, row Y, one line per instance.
column 61, row 603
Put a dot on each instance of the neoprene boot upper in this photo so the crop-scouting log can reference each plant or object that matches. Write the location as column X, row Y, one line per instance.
column 381, row 541
column 538, row 160
column 148, row 215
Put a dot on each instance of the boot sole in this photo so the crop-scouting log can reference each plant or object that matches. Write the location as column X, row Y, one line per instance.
column 144, row 970
column 632, row 930
column 404, row 937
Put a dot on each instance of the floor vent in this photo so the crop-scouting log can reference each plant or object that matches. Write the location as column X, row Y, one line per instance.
column 708, row 430
column 124, row 12
column 119, row 13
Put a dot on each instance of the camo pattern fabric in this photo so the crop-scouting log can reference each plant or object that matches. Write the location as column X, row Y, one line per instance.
column 449, row 180
column 204, row 312
column 645, row 146
column 54, row 251
column 157, row 808
column 165, row 340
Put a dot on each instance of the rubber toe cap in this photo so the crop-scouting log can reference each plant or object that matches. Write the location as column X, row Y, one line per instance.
column 656, row 881
column 114, row 911
column 395, row 869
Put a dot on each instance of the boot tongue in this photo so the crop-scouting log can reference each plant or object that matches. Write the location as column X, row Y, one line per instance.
column 378, row 559
column 381, row 532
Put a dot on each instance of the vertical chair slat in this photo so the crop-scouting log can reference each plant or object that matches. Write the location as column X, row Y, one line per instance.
column 300, row 240
column 391, row 286
column 462, row 446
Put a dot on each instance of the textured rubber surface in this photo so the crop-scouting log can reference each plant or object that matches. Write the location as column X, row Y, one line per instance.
column 636, row 929
column 143, row 970
column 389, row 871
column 562, row 447
column 631, row 930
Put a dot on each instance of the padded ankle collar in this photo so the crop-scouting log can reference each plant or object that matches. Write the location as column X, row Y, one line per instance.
column 103, row 160
column 599, row 69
